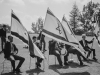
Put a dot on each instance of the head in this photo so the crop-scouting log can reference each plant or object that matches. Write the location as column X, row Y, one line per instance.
column 61, row 45
column 83, row 36
column 53, row 40
column 4, row 27
column 34, row 38
column 10, row 38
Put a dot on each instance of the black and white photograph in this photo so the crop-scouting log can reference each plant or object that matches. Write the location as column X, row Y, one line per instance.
column 49, row 37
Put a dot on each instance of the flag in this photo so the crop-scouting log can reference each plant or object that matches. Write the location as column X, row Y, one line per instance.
column 97, row 34
column 19, row 31
column 96, row 24
column 52, row 27
column 34, row 50
column 69, row 32
column 71, row 37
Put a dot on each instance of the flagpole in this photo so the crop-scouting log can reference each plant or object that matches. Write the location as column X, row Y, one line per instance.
column 42, row 29
column 11, row 20
column 44, row 24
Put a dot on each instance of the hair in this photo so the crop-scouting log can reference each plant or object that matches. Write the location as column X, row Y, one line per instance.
column 34, row 37
column 4, row 25
column 9, row 36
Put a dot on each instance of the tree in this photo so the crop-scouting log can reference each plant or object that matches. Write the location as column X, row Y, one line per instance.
column 74, row 17
column 38, row 26
column 87, row 14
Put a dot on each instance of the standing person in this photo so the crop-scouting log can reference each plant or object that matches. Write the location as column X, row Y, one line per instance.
column 3, row 37
column 41, row 37
column 85, row 43
column 55, row 50
column 10, row 53
column 39, row 60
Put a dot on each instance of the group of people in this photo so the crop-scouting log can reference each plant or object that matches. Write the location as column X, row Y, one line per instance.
column 10, row 50
column 55, row 48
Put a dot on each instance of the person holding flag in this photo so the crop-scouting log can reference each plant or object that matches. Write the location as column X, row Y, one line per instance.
column 39, row 60
column 20, row 32
column 72, row 50
column 85, row 43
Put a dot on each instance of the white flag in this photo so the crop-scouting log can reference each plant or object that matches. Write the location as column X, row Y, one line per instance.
column 52, row 28
column 34, row 50
column 97, row 34
column 17, row 29
column 69, row 32
column 71, row 37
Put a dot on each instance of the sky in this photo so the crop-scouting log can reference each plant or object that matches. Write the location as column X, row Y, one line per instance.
column 29, row 11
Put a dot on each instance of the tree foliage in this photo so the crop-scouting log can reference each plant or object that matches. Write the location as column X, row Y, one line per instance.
column 38, row 26
column 87, row 14
column 74, row 16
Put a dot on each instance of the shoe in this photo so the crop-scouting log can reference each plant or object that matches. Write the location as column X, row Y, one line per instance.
column 85, row 59
column 13, row 71
column 38, row 65
column 33, row 56
column 18, row 71
column 1, row 52
column 66, row 64
column 61, row 65
column 94, row 59
column 81, row 64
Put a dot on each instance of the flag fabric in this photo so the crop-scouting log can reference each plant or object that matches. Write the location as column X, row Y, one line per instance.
column 96, row 24
column 52, row 27
column 34, row 50
column 69, row 32
column 97, row 34
column 19, row 31
column 71, row 37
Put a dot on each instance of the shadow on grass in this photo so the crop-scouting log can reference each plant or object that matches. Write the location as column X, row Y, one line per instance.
column 72, row 65
column 75, row 65
column 76, row 73
column 31, row 71
column 10, row 73
column 96, row 61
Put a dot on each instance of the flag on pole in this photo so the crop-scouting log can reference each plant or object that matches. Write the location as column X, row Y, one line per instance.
column 69, row 32
column 52, row 27
column 71, row 37
column 96, row 24
column 19, row 31
column 34, row 50
column 97, row 34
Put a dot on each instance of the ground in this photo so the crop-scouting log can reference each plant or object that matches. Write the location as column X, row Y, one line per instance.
column 48, row 66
